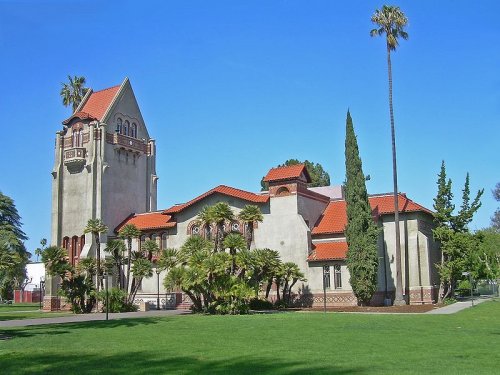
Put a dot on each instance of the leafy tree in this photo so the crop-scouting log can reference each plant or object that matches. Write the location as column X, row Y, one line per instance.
column 459, row 248
column 222, row 214
column 391, row 21
column 72, row 93
column 361, row 231
column 290, row 275
column 128, row 232
column 96, row 227
column 250, row 214
column 13, row 254
column 495, row 220
column 319, row 177
column 489, row 254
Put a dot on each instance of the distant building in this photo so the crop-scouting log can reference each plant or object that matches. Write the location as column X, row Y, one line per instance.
column 35, row 273
column 105, row 168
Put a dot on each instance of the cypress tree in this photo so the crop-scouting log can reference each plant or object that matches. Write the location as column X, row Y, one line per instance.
column 361, row 231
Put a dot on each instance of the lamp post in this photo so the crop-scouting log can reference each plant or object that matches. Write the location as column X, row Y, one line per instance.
column 326, row 273
column 157, row 270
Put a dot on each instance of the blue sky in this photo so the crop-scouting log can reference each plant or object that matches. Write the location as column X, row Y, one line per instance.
column 232, row 88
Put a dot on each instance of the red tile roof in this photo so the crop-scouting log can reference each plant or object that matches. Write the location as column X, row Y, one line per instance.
column 334, row 218
column 221, row 189
column 287, row 173
column 328, row 251
column 148, row 220
column 99, row 101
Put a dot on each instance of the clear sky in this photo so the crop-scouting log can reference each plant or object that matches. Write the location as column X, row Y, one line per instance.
column 230, row 89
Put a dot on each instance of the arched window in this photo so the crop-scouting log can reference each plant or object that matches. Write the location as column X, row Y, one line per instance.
column 73, row 249
column 82, row 244
column 163, row 241
column 125, row 128
column 134, row 130
column 118, row 125
column 65, row 243
column 282, row 191
column 74, row 139
column 195, row 229
column 80, row 138
column 142, row 240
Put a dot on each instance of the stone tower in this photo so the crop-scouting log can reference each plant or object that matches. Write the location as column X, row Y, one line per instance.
column 104, row 168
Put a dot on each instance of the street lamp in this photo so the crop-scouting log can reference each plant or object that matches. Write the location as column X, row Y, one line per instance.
column 157, row 270
column 470, row 282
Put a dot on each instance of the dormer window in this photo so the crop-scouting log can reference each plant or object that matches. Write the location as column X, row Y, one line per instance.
column 118, row 125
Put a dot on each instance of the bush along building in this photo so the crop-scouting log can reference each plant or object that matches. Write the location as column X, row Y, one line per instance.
column 105, row 168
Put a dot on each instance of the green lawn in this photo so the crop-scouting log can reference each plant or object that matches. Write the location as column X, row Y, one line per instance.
column 289, row 343
column 25, row 311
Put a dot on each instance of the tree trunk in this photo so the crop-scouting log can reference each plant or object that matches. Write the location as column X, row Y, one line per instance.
column 269, row 286
column 249, row 234
column 98, row 260
column 399, row 300
column 129, row 246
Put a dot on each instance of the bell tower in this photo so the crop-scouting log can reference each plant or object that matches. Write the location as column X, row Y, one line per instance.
column 104, row 168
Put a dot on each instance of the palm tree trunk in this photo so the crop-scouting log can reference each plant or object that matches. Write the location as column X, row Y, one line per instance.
column 98, row 260
column 129, row 246
column 399, row 300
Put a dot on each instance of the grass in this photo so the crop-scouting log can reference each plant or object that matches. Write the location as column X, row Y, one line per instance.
column 25, row 311
column 289, row 343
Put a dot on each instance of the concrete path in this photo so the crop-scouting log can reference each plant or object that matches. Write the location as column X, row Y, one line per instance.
column 459, row 306
column 76, row 318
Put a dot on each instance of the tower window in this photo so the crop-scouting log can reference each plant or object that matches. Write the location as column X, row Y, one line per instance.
column 326, row 277
column 118, row 125
column 126, row 126
column 134, row 130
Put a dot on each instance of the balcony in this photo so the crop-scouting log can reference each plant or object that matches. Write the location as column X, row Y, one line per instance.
column 127, row 143
column 74, row 158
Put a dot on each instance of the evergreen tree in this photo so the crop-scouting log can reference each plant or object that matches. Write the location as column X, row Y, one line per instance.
column 459, row 247
column 361, row 231
column 495, row 219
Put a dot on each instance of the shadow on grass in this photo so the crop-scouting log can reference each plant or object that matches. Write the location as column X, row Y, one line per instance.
column 62, row 328
column 146, row 363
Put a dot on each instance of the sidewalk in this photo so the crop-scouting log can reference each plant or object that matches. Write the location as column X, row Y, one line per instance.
column 459, row 306
column 76, row 318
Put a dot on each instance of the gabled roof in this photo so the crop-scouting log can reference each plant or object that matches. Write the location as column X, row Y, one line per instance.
column 224, row 190
column 99, row 102
column 81, row 115
column 148, row 220
column 334, row 218
column 328, row 251
column 290, row 172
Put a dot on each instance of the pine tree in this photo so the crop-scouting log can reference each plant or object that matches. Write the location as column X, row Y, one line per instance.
column 361, row 231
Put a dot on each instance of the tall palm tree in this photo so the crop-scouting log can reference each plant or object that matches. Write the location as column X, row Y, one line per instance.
column 250, row 214
column 391, row 21
column 222, row 213
column 128, row 232
column 142, row 268
column 73, row 92
column 234, row 242
column 116, row 248
column 96, row 227
column 150, row 248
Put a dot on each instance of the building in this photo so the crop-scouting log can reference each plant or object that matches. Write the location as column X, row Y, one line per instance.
column 105, row 168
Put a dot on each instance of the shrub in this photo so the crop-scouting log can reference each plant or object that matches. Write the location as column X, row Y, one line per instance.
column 260, row 304
column 117, row 301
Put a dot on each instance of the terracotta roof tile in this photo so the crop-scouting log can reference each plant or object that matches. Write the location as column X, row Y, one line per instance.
column 334, row 218
column 149, row 220
column 81, row 115
column 221, row 189
column 328, row 251
column 287, row 173
column 99, row 101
